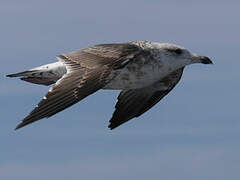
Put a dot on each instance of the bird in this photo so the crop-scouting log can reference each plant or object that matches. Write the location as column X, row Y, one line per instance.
column 143, row 71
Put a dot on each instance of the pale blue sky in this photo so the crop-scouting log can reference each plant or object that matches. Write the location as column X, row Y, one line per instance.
column 192, row 134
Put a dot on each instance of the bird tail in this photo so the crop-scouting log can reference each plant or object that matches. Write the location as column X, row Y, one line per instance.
column 45, row 75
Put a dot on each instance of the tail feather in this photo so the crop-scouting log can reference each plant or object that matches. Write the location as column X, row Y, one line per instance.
column 45, row 75
column 40, row 80
column 21, row 74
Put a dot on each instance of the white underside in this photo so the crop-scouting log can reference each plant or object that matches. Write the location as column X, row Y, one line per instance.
column 142, row 77
column 51, row 70
column 133, row 76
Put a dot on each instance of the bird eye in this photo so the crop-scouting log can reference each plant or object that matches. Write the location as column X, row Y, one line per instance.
column 176, row 51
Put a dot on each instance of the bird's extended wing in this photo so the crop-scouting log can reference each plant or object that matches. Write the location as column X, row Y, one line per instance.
column 116, row 55
column 88, row 70
column 133, row 103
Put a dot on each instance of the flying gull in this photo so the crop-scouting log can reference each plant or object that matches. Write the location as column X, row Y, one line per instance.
column 144, row 71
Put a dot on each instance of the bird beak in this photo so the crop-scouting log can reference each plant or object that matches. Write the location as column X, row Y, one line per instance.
column 203, row 60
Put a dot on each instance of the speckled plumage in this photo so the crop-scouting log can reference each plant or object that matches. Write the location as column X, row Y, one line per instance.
column 144, row 72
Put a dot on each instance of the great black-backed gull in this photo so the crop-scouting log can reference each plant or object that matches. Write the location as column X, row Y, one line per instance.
column 144, row 72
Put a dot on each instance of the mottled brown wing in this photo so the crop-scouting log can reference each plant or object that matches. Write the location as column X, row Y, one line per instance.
column 72, row 88
column 133, row 103
column 118, row 55
column 87, row 71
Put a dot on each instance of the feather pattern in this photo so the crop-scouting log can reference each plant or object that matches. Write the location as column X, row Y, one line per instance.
column 133, row 103
column 88, row 70
column 145, row 72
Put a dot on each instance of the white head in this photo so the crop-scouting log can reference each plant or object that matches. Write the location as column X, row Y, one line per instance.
column 171, row 53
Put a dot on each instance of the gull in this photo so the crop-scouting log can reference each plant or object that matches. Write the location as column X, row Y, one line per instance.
column 143, row 71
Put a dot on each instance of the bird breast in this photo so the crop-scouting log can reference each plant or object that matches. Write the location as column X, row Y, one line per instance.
column 137, row 75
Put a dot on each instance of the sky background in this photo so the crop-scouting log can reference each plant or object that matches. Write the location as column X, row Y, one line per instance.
column 192, row 134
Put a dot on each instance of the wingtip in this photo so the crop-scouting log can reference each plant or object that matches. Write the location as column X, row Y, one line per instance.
column 18, row 126
column 9, row 75
column 111, row 127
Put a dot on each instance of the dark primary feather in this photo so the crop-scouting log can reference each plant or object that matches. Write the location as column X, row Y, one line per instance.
column 133, row 103
column 71, row 89
column 87, row 71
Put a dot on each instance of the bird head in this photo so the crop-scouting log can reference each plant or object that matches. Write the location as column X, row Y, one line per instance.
column 179, row 55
